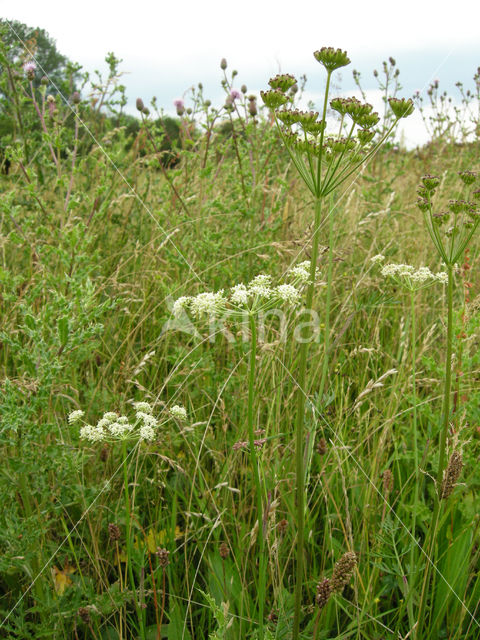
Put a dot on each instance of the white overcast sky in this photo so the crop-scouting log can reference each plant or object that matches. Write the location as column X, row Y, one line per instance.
column 167, row 47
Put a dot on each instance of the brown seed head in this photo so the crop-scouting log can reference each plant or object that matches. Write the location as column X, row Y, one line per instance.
column 282, row 526
column 322, row 446
column 84, row 615
column 343, row 571
column 273, row 616
column 163, row 557
column 451, row 474
column 104, row 452
column 387, row 476
column 224, row 550
column 324, row 589
column 114, row 532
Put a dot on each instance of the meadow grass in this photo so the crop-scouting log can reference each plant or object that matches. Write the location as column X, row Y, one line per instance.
column 324, row 488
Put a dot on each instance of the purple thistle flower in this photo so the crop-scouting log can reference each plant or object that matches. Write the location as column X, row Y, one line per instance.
column 235, row 94
column 29, row 69
column 180, row 106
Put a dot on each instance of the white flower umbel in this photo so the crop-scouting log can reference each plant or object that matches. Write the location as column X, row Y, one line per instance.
column 143, row 426
column 259, row 295
column 208, row 303
column 178, row 412
column 301, row 272
column 142, row 406
column 378, row 258
column 288, row 293
column 180, row 305
column 239, row 295
column 75, row 416
column 410, row 278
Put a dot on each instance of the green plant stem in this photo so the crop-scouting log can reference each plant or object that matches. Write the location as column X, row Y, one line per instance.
column 300, row 432
column 256, row 472
column 412, row 579
column 128, row 539
column 328, row 304
column 430, row 541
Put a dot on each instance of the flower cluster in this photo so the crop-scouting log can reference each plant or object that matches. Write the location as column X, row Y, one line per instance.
column 113, row 427
column 319, row 159
column 452, row 229
column 408, row 276
column 258, row 295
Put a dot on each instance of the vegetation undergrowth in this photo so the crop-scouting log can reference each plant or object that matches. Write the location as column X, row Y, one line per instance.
column 239, row 356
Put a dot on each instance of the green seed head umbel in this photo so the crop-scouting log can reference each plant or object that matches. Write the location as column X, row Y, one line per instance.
column 274, row 98
column 467, row 177
column 430, row 182
column 332, row 58
column 401, row 107
column 284, row 82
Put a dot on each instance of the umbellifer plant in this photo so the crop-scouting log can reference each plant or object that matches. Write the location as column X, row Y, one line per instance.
column 324, row 161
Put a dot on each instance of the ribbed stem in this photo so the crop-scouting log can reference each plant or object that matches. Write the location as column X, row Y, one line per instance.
column 430, row 541
column 300, row 433
column 256, row 473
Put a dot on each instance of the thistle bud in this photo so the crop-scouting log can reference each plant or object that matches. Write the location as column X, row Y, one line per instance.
column 243, row 89
column 331, row 58
column 139, row 104
column 343, row 571
column 146, row 111
column 252, row 108
column 29, row 69
column 223, row 64
column 76, row 97
column 179, row 106
column 401, row 108
column 476, row 194
column 451, row 474
column 44, row 81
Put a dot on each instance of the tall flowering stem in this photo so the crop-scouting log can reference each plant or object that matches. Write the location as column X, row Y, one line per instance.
column 256, row 472
column 128, row 538
column 451, row 232
column 243, row 304
column 324, row 163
